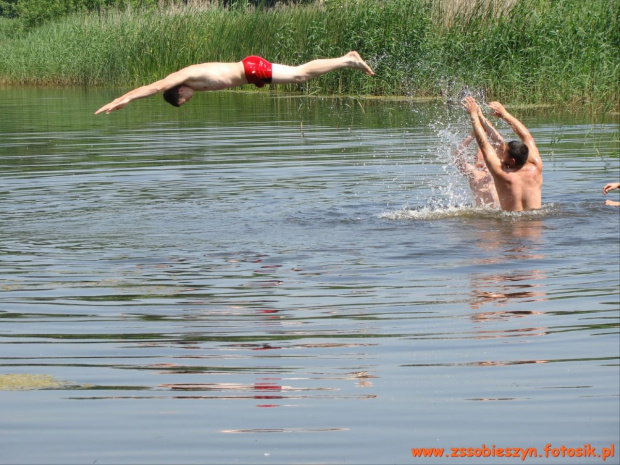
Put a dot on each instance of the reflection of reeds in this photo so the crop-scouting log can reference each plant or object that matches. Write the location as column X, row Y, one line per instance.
column 520, row 51
column 25, row 381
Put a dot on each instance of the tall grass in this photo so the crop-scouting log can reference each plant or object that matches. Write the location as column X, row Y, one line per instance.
column 527, row 51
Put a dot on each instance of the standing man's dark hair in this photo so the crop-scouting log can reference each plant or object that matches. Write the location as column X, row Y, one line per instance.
column 519, row 151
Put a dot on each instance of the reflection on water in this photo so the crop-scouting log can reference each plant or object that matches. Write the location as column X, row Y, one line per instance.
column 288, row 265
column 522, row 240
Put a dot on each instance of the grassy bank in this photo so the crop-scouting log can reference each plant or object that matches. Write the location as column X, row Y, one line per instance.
column 527, row 51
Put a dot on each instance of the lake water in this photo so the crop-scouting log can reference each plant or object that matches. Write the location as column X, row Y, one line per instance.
column 265, row 278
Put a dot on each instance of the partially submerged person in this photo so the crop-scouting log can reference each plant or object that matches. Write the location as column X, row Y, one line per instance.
column 480, row 180
column 516, row 166
column 610, row 187
column 179, row 87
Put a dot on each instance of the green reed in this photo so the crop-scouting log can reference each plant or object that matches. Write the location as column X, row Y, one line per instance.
column 526, row 51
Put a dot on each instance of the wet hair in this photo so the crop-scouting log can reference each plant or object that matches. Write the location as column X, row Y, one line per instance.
column 519, row 151
column 173, row 95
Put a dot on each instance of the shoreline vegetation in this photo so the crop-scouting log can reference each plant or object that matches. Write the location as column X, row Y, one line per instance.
column 518, row 51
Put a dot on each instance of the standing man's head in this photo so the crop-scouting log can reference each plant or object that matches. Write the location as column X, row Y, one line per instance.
column 516, row 154
column 178, row 95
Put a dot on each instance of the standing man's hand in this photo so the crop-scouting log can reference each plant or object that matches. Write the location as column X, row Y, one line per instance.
column 498, row 109
column 469, row 103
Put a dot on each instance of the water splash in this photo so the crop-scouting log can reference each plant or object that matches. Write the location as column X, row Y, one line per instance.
column 449, row 188
column 467, row 211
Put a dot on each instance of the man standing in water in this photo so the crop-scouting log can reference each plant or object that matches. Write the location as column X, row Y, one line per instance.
column 516, row 166
column 480, row 181
column 179, row 87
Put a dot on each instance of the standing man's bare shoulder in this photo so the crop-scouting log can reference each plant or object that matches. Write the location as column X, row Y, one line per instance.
column 534, row 157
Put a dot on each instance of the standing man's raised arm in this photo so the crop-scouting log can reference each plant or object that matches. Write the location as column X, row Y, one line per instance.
column 491, row 159
column 493, row 133
column 517, row 126
column 520, row 130
column 162, row 85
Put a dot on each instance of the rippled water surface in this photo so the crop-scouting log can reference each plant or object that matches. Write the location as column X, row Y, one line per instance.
column 259, row 278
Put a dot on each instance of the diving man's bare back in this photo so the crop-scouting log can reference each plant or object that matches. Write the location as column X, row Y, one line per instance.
column 213, row 76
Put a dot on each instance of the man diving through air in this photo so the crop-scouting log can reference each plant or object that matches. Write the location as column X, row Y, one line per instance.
column 179, row 87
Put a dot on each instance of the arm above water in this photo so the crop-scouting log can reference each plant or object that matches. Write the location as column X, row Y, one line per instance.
column 463, row 145
column 493, row 133
column 459, row 155
column 491, row 159
column 610, row 186
column 517, row 126
column 162, row 85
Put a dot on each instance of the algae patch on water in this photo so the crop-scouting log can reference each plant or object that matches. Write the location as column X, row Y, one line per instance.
column 25, row 381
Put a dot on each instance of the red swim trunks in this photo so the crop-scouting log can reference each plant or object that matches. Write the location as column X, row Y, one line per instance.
column 257, row 70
